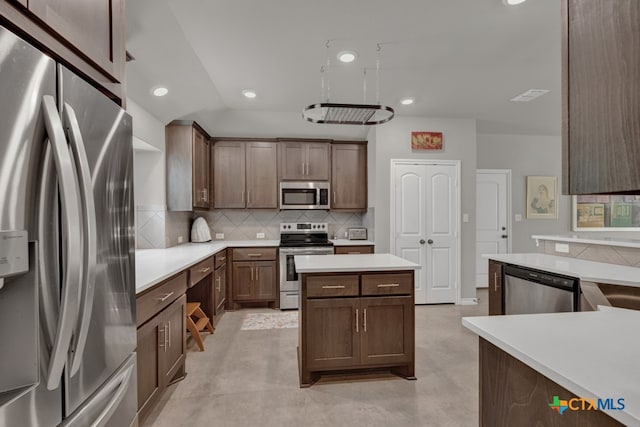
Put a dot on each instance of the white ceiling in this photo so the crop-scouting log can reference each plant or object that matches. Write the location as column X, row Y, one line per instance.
column 457, row 58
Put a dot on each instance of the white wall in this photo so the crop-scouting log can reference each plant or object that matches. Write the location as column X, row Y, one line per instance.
column 527, row 155
column 393, row 141
column 148, row 166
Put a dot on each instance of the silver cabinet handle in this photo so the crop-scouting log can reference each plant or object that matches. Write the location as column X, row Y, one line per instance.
column 254, row 255
column 165, row 297
column 72, row 273
column 169, row 332
column 353, row 253
column 248, row 198
column 251, row 274
column 205, row 269
column 164, row 338
column 495, row 281
column 389, row 285
column 335, row 199
column 365, row 319
column 90, row 236
column 243, row 197
column 332, row 286
column 357, row 320
column 218, row 284
column 223, row 259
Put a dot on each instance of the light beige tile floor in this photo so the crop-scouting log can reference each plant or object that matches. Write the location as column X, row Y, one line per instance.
column 247, row 378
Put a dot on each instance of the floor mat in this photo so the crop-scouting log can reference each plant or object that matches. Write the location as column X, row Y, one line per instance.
column 285, row 320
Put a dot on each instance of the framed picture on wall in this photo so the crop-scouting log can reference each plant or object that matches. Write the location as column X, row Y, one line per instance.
column 606, row 213
column 542, row 197
column 426, row 141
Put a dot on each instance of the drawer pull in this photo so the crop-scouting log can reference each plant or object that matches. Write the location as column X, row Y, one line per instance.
column 353, row 253
column 333, row 287
column 205, row 269
column 357, row 321
column 254, row 255
column 365, row 319
column 223, row 259
column 389, row 285
column 165, row 297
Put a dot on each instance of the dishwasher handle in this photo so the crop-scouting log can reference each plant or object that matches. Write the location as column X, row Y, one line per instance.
column 543, row 278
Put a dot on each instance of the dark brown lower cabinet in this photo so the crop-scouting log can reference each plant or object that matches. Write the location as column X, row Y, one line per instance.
column 254, row 281
column 495, row 288
column 161, row 353
column 344, row 328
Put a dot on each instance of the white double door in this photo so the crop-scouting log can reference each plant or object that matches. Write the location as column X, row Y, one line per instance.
column 425, row 226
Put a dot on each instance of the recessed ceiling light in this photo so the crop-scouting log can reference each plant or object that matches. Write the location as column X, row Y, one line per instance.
column 407, row 101
column 529, row 95
column 347, row 56
column 249, row 93
column 513, row 2
column 159, row 91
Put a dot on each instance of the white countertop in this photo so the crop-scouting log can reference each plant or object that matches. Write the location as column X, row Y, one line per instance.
column 593, row 240
column 589, row 271
column 592, row 354
column 155, row 265
column 347, row 263
column 346, row 242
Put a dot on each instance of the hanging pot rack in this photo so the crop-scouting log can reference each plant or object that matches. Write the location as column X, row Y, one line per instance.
column 348, row 114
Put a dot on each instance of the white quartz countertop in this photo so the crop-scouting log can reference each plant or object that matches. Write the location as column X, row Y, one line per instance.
column 346, row 242
column 589, row 271
column 155, row 265
column 347, row 263
column 592, row 354
column 592, row 240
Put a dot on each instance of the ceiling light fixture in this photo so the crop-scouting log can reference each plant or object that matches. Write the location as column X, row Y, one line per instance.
column 407, row 101
column 347, row 56
column 347, row 114
column 249, row 93
column 159, row 91
column 513, row 2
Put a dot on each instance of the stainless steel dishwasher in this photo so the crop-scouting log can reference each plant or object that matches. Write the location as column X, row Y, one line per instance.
column 528, row 291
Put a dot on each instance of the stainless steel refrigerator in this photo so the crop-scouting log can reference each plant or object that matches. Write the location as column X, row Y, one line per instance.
column 67, row 291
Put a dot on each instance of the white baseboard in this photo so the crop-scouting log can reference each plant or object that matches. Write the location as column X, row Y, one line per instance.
column 468, row 301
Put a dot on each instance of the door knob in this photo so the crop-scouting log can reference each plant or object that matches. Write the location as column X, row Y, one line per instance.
column 504, row 236
column 429, row 241
column 504, row 228
column 422, row 241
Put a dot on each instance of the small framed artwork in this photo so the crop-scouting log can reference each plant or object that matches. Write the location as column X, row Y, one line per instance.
column 542, row 197
column 426, row 140
column 605, row 212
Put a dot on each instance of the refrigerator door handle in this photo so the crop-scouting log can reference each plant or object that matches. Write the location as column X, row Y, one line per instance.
column 72, row 273
column 90, row 236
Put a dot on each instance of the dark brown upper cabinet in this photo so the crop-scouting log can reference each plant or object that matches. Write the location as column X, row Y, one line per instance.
column 349, row 177
column 188, row 167
column 601, row 96
column 245, row 174
column 304, row 161
column 87, row 35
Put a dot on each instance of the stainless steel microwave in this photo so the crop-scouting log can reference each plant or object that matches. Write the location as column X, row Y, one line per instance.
column 304, row 195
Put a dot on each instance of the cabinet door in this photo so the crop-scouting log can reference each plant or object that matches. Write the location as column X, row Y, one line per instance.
column 95, row 28
column 292, row 161
column 262, row 175
column 349, row 177
column 265, row 280
column 174, row 350
column 353, row 250
column 201, row 170
column 495, row 288
column 229, row 175
column 318, row 161
column 151, row 342
column 387, row 330
column 220, row 288
column 333, row 331
column 242, row 281
column 601, row 96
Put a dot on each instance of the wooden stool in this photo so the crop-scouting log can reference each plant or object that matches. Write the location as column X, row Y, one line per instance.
column 203, row 322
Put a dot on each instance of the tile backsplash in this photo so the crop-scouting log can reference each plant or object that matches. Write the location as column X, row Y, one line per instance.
column 158, row 228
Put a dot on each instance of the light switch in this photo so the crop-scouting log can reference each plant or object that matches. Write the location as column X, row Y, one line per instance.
column 465, row 217
column 518, row 217
column 179, row 239
column 259, row 235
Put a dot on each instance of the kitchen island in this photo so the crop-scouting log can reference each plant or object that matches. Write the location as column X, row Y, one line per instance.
column 526, row 361
column 356, row 315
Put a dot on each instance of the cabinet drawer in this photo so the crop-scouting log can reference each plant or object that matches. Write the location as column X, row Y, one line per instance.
column 157, row 299
column 220, row 258
column 332, row 286
column 200, row 271
column 348, row 250
column 254, row 254
column 387, row 284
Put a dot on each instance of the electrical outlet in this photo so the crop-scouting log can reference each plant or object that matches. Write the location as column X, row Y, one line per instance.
column 346, row 234
column 219, row 236
column 179, row 239
column 518, row 217
column 562, row 247
column 465, row 217
column 259, row 235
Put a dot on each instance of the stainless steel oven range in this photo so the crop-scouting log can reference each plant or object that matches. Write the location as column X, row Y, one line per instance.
column 307, row 238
